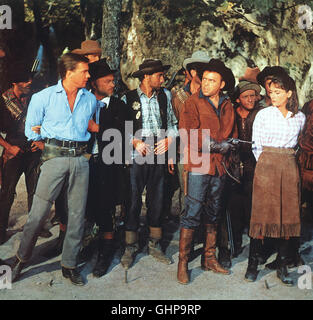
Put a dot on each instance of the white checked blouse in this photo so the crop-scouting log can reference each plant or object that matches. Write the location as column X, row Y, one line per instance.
column 272, row 129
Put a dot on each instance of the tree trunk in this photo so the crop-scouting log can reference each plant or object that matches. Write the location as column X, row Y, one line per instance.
column 91, row 17
column 110, row 42
column 10, row 40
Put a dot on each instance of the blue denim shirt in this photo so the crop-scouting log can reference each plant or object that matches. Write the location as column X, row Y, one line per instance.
column 50, row 109
column 217, row 110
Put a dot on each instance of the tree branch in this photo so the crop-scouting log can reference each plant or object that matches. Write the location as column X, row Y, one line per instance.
column 246, row 19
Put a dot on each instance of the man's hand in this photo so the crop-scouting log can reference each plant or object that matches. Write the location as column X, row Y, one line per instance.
column 37, row 145
column 92, row 126
column 141, row 147
column 14, row 150
column 170, row 166
column 163, row 145
column 36, row 129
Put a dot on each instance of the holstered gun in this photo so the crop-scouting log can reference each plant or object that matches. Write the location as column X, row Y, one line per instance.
column 185, row 180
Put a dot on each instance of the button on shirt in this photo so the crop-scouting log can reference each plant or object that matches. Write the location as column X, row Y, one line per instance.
column 272, row 129
column 50, row 109
column 151, row 118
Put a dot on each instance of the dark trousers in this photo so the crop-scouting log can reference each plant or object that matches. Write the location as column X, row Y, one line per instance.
column 204, row 199
column 150, row 176
column 101, row 194
column 26, row 163
column 239, row 200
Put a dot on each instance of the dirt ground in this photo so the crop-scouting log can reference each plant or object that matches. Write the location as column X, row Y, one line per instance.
column 147, row 279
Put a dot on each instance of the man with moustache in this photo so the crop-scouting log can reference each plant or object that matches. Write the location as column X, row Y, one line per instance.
column 63, row 112
column 205, row 152
column 104, row 185
column 19, row 156
column 152, row 114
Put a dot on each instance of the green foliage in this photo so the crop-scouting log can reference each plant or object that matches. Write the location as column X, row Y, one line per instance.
column 53, row 11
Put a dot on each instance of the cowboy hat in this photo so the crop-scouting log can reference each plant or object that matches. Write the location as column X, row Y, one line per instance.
column 150, row 66
column 99, row 69
column 196, row 57
column 250, row 74
column 216, row 65
column 270, row 71
column 88, row 47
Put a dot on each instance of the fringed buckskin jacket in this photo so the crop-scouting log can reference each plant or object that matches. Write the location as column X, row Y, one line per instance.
column 199, row 114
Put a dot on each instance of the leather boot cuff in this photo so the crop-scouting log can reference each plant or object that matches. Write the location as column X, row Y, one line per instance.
column 131, row 237
column 210, row 228
column 155, row 233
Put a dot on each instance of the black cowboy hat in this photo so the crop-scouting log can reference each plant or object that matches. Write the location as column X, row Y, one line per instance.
column 270, row 71
column 20, row 72
column 99, row 69
column 150, row 66
column 216, row 65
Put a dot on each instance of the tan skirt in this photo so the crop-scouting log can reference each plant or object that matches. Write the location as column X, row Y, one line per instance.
column 276, row 195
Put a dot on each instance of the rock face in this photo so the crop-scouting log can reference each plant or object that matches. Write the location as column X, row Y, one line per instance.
column 157, row 30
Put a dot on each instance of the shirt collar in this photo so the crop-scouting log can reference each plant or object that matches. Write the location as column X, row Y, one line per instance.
column 105, row 102
column 222, row 97
column 59, row 88
column 187, row 87
column 140, row 93
column 289, row 113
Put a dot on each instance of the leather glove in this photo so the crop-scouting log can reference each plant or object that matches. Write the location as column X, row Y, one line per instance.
column 218, row 147
column 222, row 147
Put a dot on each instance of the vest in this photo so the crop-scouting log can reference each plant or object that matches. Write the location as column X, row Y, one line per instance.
column 136, row 114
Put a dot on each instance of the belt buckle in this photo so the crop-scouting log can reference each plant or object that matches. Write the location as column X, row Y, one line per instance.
column 71, row 144
column 72, row 150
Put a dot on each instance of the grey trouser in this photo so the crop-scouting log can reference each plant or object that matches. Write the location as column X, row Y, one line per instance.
column 51, row 179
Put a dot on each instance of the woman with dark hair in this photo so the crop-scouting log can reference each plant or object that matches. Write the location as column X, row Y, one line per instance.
column 276, row 192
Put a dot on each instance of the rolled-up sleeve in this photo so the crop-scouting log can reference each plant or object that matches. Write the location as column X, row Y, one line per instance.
column 35, row 114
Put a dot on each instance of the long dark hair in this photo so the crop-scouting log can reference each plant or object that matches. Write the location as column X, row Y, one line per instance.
column 287, row 83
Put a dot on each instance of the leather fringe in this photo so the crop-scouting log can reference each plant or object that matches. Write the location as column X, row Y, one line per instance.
column 258, row 230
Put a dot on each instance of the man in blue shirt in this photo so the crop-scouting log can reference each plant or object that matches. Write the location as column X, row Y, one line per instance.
column 63, row 112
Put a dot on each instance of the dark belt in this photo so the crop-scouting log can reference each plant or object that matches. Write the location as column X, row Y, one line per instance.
column 66, row 144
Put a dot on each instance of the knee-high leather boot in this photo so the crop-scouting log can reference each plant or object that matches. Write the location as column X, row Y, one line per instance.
column 252, row 269
column 209, row 261
column 105, row 254
column 282, row 262
column 185, row 241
